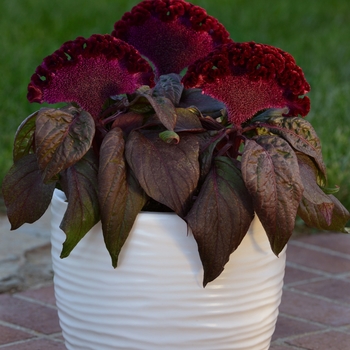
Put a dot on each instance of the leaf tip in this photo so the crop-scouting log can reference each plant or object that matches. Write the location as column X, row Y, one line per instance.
column 169, row 136
column 64, row 254
column 206, row 280
column 114, row 258
column 277, row 249
column 210, row 276
column 67, row 247
column 14, row 224
column 330, row 190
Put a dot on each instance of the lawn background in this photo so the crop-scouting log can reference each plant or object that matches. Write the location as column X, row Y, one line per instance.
column 315, row 32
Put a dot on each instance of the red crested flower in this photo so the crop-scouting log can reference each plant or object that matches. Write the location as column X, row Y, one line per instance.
column 171, row 33
column 250, row 77
column 88, row 71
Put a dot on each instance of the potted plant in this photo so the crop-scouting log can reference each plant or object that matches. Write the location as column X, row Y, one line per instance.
column 168, row 114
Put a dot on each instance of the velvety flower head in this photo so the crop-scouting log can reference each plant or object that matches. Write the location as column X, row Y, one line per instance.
column 250, row 77
column 88, row 71
column 171, row 33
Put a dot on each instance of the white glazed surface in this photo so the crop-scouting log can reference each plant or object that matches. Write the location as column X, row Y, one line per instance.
column 154, row 299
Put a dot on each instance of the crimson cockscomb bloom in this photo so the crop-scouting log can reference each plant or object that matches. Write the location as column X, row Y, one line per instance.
column 250, row 77
column 171, row 33
column 88, row 71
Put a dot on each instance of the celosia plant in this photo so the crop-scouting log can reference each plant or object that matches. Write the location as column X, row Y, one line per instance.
column 217, row 145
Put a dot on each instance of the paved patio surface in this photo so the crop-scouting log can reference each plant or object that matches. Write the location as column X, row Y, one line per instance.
column 314, row 314
column 315, row 308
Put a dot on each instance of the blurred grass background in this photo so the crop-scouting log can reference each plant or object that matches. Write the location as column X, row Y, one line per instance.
column 315, row 32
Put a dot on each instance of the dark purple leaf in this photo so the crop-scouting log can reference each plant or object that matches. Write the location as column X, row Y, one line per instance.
column 211, row 124
column 170, row 87
column 25, row 195
column 220, row 217
column 316, row 208
column 207, row 105
column 162, row 106
column 62, row 139
column 121, row 197
column 164, row 110
column 138, row 101
column 188, row 120
column 24, row 138
column 167, row 172
column 313, row 194
column 313, row 216
column 128, row 121
column 208, row 143
column 301, row 135
column 79, row 183
column 271, row 173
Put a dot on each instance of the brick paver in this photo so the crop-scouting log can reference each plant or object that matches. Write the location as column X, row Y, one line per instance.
column 315, row 308
column 29, row 321
column 38, row 344
column 28, row 314
column 332, row 340
column 10, row 335
column 314, row 314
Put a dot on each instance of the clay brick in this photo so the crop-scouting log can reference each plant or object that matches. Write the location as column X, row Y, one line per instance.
column 331, row 340
column 9, row 335
column 336, row 241
column 293, row 275
column 315, row 310
column 279, row 347
column 331, row 288
column 29, row 315
column 38, row 344
column 44, row 294
column 287, row 327
column 317, row 260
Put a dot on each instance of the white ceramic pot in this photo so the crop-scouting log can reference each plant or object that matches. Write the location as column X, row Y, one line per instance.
column 154, row 299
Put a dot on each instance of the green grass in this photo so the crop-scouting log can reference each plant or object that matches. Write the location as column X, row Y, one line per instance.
column 315, row 32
